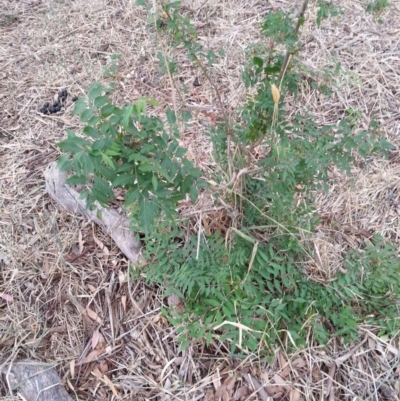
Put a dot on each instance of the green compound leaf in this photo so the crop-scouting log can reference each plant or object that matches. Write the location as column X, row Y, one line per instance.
column 100, row 101
column 95, row 90
column 80, row 105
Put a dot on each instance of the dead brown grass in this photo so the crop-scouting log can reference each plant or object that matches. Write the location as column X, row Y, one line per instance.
column 66, row 294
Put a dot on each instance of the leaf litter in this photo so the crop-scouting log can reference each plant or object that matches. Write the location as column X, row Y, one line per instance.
column 106, row 335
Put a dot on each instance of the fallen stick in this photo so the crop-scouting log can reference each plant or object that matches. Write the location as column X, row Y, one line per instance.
column 113, row 223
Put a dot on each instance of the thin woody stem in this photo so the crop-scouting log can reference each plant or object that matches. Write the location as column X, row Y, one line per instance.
column 283, row 69
column 225, row 116
column 219, row 100
column 296, row 31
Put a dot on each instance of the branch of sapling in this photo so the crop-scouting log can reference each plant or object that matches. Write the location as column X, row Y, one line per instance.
column 289, row 53
column 235, row 178
column 205, row 72
column 225, row 115
column 219, row 99
column 282, row 72
column 257, row 142
column 261, row 138
column 271, row 49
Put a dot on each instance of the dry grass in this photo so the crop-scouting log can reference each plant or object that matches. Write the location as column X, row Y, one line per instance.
column 72, row 302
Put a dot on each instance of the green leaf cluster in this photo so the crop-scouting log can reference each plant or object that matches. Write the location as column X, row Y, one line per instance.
column 275, row 298
column 180, row 31
column 245, row 285
column 377, row 6
column 253, row 275
column 124, row 148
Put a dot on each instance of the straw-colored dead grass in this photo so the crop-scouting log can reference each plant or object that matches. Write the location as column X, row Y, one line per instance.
column 65, row 291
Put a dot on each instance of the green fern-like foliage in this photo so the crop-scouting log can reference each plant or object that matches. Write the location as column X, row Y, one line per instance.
column 273, row 297
column 125, row 148
column 245, row 286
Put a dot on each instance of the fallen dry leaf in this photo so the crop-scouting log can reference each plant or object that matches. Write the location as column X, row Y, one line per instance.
column 226, row 390
column 209, row 395
column 256, row 370
column 46, row 267
column 230, row 383
column 97, row 373
column 80, row 242
column 299, row 363
column 255, row 384
column 92, row 356
column 96, row 240
column 178, row 360
column 283, row 364
column 316, row 374
column 101, row 342
column 331, row 377
column 278, row 380
column 167, row 384
column 72, row 368
column 94, row 316
column 95, row 338
column 280, row 388
column 216, row 379
column 347, row 355
column 221, row 390
column 265, row 376
column 111, row 385
column 123, row 302
column 371, row 343
column 241, row 392
column 103, row 366
column 122, row 278
column 272, row 390
column 6, row 297
column 295, row 395
column 91, row 287
column 106, row 254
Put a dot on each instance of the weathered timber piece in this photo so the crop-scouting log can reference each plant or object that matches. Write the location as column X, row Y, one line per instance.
column 34, row 381
column 115, row 224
